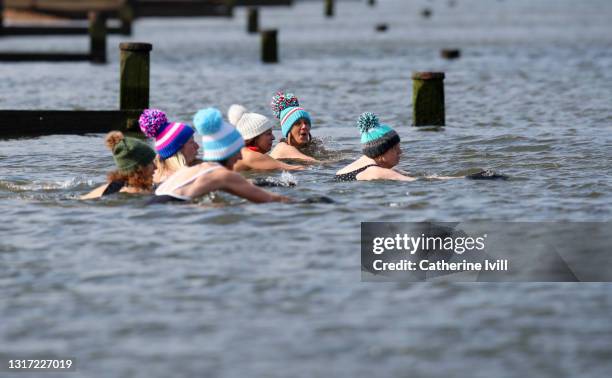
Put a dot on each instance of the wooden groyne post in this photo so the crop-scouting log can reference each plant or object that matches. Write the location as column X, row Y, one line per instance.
column 371, row 2
column 97, row 37
column 252, row 20
column 134, row 78
column 329, row 8
column 126, row 17
column 450, row 53
column 1, row 16
column 269, row 48
column 428, row 99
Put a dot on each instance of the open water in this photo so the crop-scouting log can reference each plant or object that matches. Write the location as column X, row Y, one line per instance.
column 274, row 290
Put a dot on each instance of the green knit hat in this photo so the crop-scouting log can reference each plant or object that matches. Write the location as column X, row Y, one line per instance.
column 376, row 139
column 129, row 153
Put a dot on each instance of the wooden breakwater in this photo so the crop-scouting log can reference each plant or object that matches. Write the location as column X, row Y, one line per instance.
column 29, row 123
column 262, row 3
column 97, row 47
column 78, row 9
column 133, row 99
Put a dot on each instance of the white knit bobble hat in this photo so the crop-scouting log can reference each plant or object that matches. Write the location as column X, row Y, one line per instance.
column 234, row 113
column 251, row 125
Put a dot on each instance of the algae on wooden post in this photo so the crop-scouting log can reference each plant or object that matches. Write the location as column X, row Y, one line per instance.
column 269, row 50
column 134, row 77
column 329, row 8
column 428, row 99
column 253, row 20
column 97, row 36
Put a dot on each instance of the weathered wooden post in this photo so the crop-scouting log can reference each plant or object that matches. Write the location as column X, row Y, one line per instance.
column 428, row 99
column 426, row 13
column 253, row 20
column 371, row 2
column 1, row 16
column 269, row 49
column 134, row 78
column 450, row 53
column 126, row 17
column 97, row 37
column 382, row 27
column 329, row 8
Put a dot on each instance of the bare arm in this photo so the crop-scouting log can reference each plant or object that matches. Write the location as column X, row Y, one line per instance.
column 239, row 186
column 96, row 193
column 443, row 177
column 379, row 173
column 256, row 160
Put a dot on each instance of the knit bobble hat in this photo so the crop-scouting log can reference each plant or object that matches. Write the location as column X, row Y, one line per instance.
column 129, row 153
column 376, row 139
column 286, row 108
column 169, row 137
column 234, row 113
column 220, row 140
column 251, row 125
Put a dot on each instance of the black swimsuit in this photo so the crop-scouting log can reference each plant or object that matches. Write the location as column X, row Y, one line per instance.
column 113, row 187
column 352, row 176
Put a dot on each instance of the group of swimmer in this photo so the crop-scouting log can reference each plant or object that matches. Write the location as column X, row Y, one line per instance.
column 175, row 173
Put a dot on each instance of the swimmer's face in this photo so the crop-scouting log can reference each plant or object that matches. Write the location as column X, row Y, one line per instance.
column 300, row 132
column 391, row 158
column 264, row 141
column 190, row 150
column 233, row 160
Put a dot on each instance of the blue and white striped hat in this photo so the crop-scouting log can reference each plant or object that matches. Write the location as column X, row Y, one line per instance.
column 220, row 140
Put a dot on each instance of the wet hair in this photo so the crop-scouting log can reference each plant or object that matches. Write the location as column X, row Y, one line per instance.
column 138, row 178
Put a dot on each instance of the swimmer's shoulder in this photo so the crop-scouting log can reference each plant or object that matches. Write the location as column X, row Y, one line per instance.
column 380, row 173
column 357, row 164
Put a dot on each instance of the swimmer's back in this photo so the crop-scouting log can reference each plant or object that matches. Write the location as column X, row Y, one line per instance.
column 204, row 176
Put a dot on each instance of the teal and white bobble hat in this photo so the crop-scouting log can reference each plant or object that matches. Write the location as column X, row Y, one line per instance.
column 376, row 139
column 220, row 140
column 287, row 109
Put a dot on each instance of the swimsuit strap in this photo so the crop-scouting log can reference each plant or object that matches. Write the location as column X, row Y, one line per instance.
column 113, row 187
column 187, row 182
column 352, row 176
column 253, row 148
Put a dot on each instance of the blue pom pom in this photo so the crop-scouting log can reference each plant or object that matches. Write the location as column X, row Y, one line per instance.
column 208, row 121
column 367, row 121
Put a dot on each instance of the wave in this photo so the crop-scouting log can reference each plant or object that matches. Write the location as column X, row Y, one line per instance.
column 41, row 185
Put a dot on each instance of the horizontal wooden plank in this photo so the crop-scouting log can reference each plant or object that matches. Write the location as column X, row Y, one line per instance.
column 65, row 5
column 26, row 56
column 143, row 8
column 51, row 30
column 182, row 8
column 262, row 3
column 18, row 123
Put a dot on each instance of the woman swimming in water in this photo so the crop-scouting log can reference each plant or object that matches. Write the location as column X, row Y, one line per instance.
column 134, row 161
column 222, row 144
column 174, row 143
column 295, row 126
column 256, row 130
column 381, row 152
